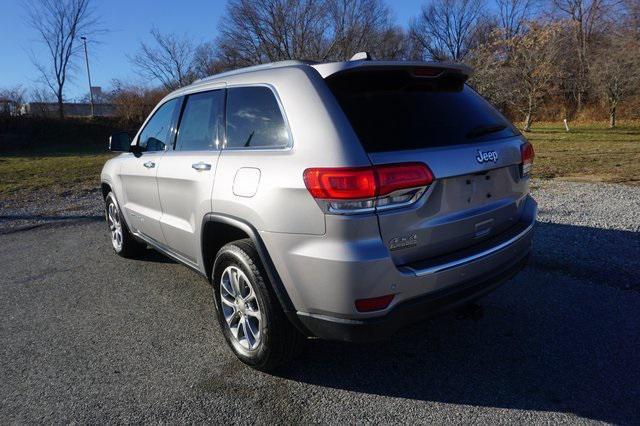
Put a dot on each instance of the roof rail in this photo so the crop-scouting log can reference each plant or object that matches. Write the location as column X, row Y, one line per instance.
column 278, row 64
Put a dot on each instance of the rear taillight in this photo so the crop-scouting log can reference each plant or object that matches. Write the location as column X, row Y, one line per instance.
column 400, row 176
column 363, row 189
column 526, row 150
column 341, row 184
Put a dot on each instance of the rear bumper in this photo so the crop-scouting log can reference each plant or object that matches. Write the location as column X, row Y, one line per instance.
column 410, row 311
column 324, row 275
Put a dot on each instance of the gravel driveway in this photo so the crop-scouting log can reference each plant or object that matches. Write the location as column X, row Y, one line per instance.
column 89, row 337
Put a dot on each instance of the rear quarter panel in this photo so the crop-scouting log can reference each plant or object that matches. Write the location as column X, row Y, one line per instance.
column 321, row 137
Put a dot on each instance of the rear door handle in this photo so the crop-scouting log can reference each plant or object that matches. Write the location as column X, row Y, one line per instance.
column 149, row 164
column 201, row 166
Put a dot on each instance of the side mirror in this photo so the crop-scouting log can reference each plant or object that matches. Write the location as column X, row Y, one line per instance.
column 120, row 142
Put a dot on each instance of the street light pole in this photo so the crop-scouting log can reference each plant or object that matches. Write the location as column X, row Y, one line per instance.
column 86, row 57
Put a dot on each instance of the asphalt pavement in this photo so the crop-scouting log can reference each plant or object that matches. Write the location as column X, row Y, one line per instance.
column 88, row 337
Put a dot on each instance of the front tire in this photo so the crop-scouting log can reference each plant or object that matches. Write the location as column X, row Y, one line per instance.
column 123, row 243
column 250, row 317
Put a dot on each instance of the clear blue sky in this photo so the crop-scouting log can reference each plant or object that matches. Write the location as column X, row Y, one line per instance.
column 128, row 22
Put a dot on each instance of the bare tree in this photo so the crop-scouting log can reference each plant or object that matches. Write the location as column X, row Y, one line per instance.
column 391, row 44
column 11, row 99
column 257, row 31
column 587, row 18
column 39, row 97
column 491, row 72
column 170, row 61
column 512, row 15
column 58, row 24
column 15, row 94
column 41, row 94
column 532, row 67
column 134, row 103
column 632, row 12
column 206, row 60
column 445, row 29
column 615, row 72
column 363, row 25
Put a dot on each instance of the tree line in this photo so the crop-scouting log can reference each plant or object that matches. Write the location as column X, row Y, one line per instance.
column 533, row 59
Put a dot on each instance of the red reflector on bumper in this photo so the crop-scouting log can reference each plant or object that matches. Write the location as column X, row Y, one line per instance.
column 374, row 304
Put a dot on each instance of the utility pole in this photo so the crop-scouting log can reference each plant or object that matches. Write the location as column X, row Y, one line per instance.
column 86, row 57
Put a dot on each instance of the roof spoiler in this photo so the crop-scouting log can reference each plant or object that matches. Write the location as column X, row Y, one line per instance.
column 419, row 68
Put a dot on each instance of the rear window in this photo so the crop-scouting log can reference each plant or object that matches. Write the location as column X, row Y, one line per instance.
column 393, row 111
column 254, row 119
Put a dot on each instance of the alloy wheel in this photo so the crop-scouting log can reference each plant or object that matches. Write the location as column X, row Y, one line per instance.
column 115, row 226
column 240, row 308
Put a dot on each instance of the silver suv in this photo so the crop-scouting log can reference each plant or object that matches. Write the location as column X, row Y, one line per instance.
column 339, row 200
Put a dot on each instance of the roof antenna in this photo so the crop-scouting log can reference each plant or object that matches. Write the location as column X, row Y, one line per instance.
column 361, row 56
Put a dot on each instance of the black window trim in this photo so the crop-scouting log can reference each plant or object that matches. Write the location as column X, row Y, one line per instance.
column 222, row 127
column 174, row 124
column 289, row 145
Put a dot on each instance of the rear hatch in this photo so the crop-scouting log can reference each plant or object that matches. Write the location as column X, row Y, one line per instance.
column 428, row 114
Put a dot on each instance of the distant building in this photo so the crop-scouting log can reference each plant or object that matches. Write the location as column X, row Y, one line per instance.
column 96, row 92
column 50, row 109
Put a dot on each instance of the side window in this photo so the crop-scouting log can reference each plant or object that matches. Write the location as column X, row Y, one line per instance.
column 158, row 132
column 200, row 121
column 254, row 119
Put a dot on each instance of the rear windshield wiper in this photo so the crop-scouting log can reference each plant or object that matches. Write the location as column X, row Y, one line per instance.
column 485, row 130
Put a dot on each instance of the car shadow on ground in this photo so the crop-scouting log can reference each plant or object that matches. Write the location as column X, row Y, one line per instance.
column 562, row 336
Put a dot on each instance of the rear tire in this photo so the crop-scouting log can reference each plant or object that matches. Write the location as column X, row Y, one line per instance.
column 122, row 242
column 250, row 316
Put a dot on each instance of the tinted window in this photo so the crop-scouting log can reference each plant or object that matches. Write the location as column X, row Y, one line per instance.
column 158, row 132
column 254, row 119
column 200, row 120
column 391, row 110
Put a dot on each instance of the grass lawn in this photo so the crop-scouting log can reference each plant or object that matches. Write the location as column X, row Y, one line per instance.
column 22, row 174
column 60, row 156
column 589, row 152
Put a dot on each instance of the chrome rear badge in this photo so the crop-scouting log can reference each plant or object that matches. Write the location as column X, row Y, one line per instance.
column 486, row 156
column 402, row 242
